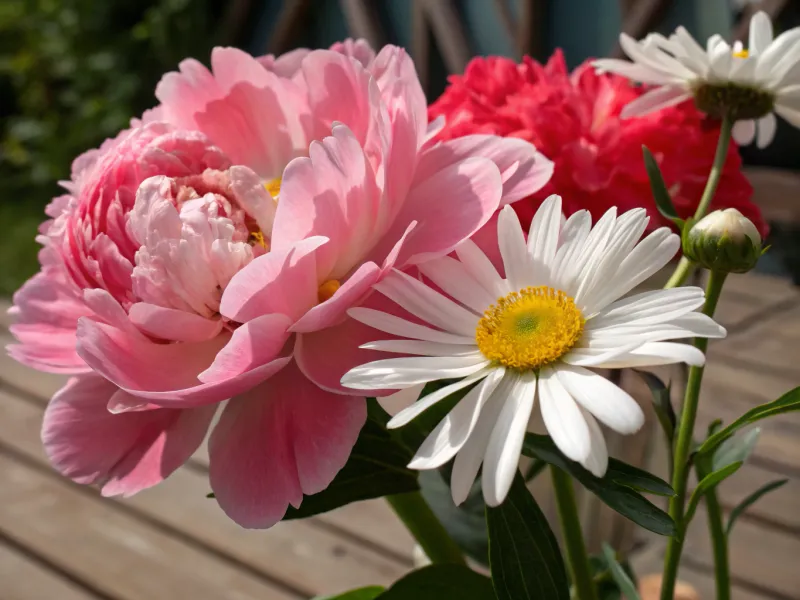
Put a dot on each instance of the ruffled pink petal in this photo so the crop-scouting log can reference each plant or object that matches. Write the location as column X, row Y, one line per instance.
column 449, row 206
column 524, row 170
column 252, row 345
column 253, row 197
column 358, row 49
column 332, row 193
column 166, row 374
column 287, row 64
column 277, row 442
column 282, row 281
column 186, row 93
column 172, row 324
column 125, row 453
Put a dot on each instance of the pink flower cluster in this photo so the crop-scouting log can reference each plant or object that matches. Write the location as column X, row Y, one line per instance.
column 209, row 254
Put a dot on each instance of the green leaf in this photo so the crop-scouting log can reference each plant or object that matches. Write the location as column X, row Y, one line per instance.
column 617, row 490
column 525, row 561
column 659, row 188
column 707, row 483
column 751, row 499
column 438, row 582
column 735, row 449
column 789, row 402
column 535, row 469
column 466, row 524
column 620, row 576
column 661, row 403
column 365, row 593
column 376, row 468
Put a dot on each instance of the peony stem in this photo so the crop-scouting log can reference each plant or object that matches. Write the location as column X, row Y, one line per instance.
column 683, row 447
column 684, row 268
column 577, row 557
column 418, row 517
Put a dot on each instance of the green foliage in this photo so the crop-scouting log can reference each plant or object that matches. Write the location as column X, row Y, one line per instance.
column 365, row 593
column 751, row 499
column 706, row 484
column 621, row 578
column 659, row 188
column 72, row 73
column 441, row 581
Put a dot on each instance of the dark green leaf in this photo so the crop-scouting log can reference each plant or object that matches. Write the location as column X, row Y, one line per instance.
column 659, row 188
column 751, row 499
column 790, row 401
column 466, row 524
column 438, row 582
column 535, row 469
column 376, row 468
column 618, row 494
column 707, row 483
column 735, row 449
column 661, row 402
column 638, row 479
column 365, row 593
column 525, row 560
column 620, row 576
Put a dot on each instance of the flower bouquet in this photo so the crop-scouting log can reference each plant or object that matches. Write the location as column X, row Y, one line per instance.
column 286, row 247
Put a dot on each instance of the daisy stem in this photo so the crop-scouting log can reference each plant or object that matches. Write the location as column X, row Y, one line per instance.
column 429, row 532
column 716, row 530
column 684, row 268
column 683, row 447
column 577, row 557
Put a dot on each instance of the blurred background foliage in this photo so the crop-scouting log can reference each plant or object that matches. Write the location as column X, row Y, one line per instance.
column 73, row 73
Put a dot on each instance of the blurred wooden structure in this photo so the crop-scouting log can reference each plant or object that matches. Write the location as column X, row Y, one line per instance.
column 60, row 541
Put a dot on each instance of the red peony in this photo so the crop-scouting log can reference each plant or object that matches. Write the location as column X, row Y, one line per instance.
column 573, row 119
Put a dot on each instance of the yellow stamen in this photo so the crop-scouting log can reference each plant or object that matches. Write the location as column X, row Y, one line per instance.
column 257, row 239
column 742, row 54
column 327, row 290
column 529, row 329
column 274, row 188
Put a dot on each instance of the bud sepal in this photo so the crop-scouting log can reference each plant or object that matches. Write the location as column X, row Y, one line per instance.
column 725, row 241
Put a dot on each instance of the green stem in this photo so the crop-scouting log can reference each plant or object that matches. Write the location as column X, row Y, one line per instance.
column 577, row 557
column 719, row 538
column 683, row 447
column 418, row 517
column 684, row 267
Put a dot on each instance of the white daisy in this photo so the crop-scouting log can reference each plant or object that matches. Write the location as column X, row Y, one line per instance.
column 747, row 85
column 559, row 312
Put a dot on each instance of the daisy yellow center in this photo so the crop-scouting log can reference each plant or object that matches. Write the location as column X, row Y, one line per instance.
column 327, row 290
column 742, row 54
column 529, row 329
column 274, row 188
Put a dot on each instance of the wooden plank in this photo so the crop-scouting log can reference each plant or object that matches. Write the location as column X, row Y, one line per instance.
column 363, row 21
column 642, row 17
column 123, row 556
column 300, row 555
column 22, row 578
column 449, row 33
column 774, row 189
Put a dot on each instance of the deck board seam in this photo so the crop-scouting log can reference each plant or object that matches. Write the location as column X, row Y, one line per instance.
column 745, row 584
column 181, row 536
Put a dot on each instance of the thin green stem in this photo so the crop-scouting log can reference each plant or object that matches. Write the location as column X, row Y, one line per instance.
column 684, row 268
column 418, row 517
column 719, row 538
column 683, row 447
column 577, row 557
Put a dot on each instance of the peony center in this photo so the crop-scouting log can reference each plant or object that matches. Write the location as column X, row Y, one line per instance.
column 327, row 290
column 274, row 188
column 529, row 329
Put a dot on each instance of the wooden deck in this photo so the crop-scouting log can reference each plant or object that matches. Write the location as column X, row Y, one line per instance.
column 61, row 541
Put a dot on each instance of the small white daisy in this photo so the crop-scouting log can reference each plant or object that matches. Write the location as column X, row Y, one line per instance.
column 532, row 333
column 747, row 85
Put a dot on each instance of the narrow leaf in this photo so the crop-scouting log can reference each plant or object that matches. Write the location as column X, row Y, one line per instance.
column 659, row 188
column 789, row 402
column 535, row 469
column 525, row 561
column 751, row 499
column 441, row 581
column 365, row 593
column 707, row 483
column 619, row 494
column 662, row 403
column 735, row 449
column 620, row 576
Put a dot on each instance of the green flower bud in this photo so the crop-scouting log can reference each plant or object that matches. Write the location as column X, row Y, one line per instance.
column 725, row 241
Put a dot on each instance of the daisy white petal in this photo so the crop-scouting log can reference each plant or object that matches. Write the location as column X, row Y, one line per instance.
column 633, row 71
column 396, row 326
column 766, row 130
column 422, row 348
column 512, row 247
column 760, row 33
column 505, row 444
column 450, row 275
column 656, row 353
column 573, row 237
column 597, row 461
column 655, row 306
column 791, row 115
column 655, row 100
column 744, row 132
column 543, row 241
column 612, row 406
column 481, row 268
column 399, row 373
column 563, row 418
column 449, row 436
column 394, row 403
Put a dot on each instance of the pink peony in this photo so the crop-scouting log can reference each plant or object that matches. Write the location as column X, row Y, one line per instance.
column 574, row 119
column 227, row 297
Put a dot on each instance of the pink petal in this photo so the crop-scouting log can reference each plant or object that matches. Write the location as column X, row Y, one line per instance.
column 126, row 453
column 173, row 324
column 252, row 345
column 332, row 193
column 184, row 94
column 282, row 281
column 524, row 170
column 253, row 197
column 287, row 64
column 279, row 441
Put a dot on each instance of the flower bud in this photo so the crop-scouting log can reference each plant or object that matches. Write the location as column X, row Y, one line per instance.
column 724, row 240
